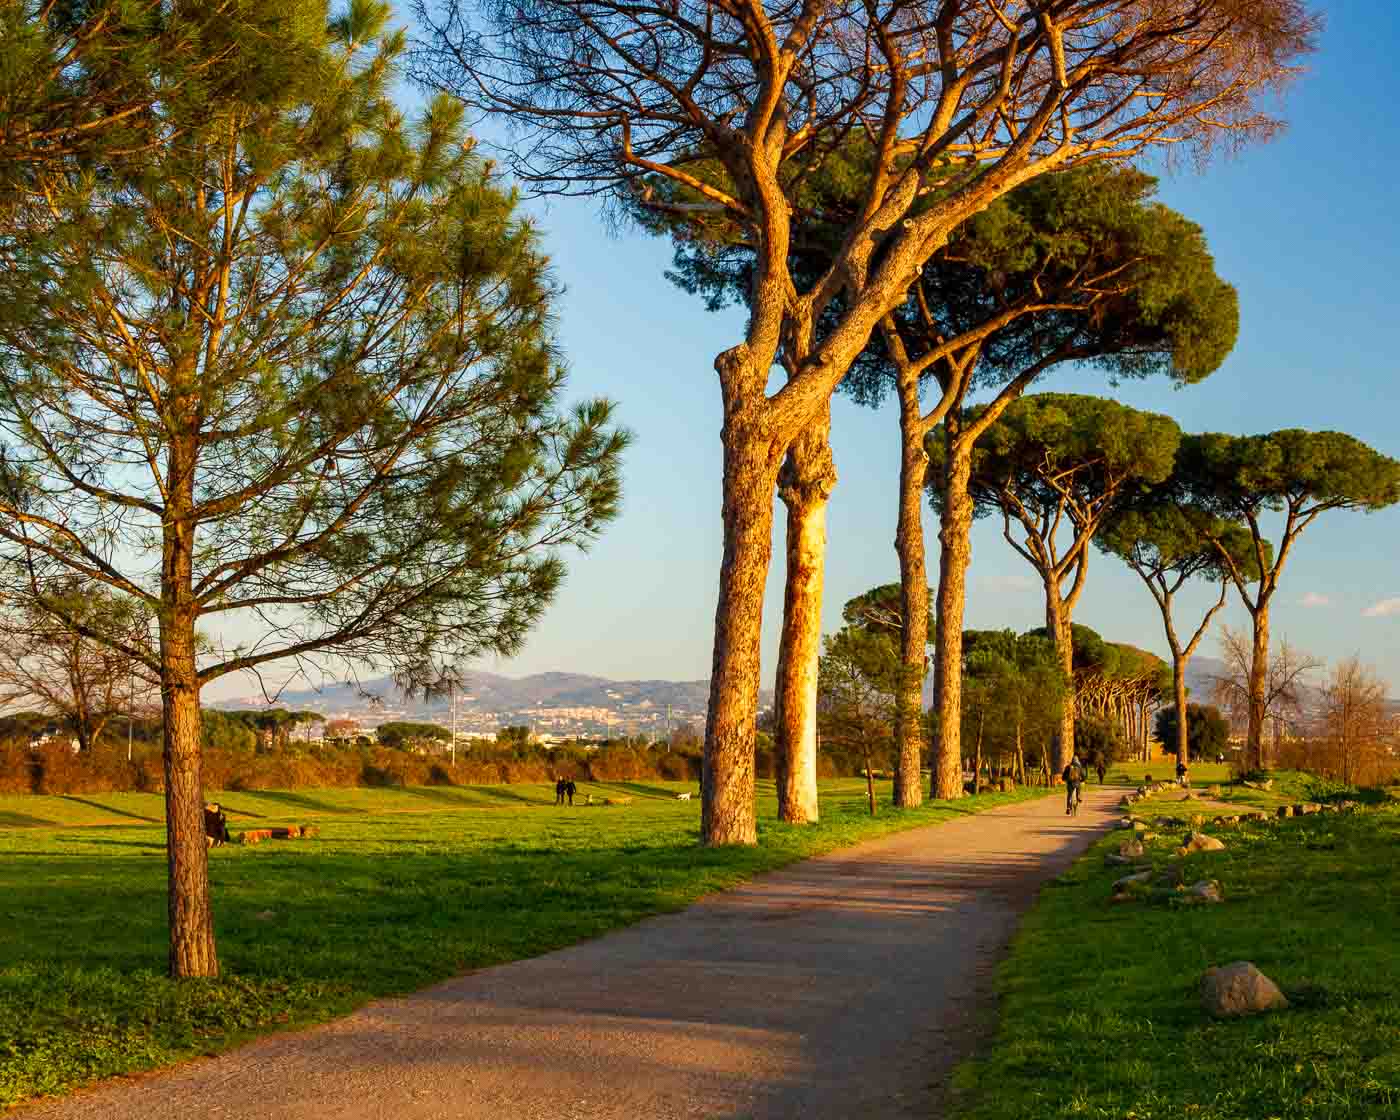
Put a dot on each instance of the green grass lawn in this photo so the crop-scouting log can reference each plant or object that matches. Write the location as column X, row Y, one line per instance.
column 399, row 889
column 1164, row 770
column 1099, row 1013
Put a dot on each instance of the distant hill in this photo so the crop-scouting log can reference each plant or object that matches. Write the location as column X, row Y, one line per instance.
column 491, row 693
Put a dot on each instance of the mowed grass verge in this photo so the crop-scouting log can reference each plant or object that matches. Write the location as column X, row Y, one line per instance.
column 1100, row 1017
column 400, row 888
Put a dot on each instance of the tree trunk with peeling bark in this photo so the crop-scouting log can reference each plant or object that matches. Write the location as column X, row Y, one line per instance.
column 1063, row 637
column 192, row 948
column 913, row 584
column 1179, row 697
column 750, row 476
column 1258, row 690
column 805, row 485
column 955, row 554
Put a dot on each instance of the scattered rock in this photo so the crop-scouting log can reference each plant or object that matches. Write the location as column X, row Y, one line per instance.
column 1207, row 890
column 1200, row 842
column 1285, row 810
column 1131, row 848
column 1307, row 807
column 1170, row 876
column 1127, row 881
column 1239, row 988
column 1113, row 859
column 265, row 915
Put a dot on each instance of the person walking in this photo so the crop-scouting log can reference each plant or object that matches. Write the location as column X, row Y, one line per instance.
column 569, row 790
column 1073, row 775
column 1182, row 775
column 559, row 791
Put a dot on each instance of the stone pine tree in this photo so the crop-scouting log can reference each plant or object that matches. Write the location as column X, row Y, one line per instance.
column 290, row 373
column 1082, row 266
column 962, row 101
column 1055, row 465
column 1293, row 476
column 1169, row 542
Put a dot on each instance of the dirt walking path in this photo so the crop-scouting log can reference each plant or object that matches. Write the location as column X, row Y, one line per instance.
column 844, row 986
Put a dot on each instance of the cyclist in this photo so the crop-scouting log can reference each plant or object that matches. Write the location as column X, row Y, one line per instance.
column 1073, row 775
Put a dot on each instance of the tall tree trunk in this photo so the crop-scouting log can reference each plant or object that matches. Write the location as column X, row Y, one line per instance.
column 750, row 475
column 1258, row 689
column 955, row 553
column 1020, row 755
column 805, row 484
column 1057, row 622
column 192, row 950
column 913, row 597
column 1179, row 692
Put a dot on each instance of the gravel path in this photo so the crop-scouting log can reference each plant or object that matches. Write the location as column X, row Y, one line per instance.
column 843, row 986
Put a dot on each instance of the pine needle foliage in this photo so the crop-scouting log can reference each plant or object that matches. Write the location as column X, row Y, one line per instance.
column 287, row 369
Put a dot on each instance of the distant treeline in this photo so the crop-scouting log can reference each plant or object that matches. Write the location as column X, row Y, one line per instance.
column 239, row 755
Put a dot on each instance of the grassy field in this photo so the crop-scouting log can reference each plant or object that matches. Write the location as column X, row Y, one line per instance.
column 399, row 889
column 1164, row 770
column 1100, row 1017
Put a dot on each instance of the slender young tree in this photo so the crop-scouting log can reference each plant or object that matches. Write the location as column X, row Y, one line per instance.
column 1168, row 544
column 1354, row 720
column 1056, row 464
column 962, row 101
column 83, row 682
column 1285, row 683
column 1016, row 690
column 1291, row 474
column 290, row 372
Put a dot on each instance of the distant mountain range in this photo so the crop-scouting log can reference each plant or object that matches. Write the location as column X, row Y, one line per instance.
column 577, row 703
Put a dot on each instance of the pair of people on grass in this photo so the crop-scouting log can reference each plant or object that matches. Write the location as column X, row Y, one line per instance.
column 564, row 788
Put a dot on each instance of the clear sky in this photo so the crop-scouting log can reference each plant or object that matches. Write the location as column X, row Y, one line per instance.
column 1306, row 227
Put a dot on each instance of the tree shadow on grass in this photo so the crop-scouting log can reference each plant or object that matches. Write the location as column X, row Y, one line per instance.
column 22, row 820
column 112, row 809
column 459, row 800
column 641, row 789
column 87, row 840
column 300, row 801
column 505, row 793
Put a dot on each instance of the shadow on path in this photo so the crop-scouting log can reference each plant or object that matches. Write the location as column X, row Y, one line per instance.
column 844, row 986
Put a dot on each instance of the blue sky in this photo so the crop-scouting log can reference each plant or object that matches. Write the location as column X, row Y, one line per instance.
column 1305, row 227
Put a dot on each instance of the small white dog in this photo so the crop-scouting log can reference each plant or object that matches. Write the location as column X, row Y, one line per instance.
column 682, row 797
